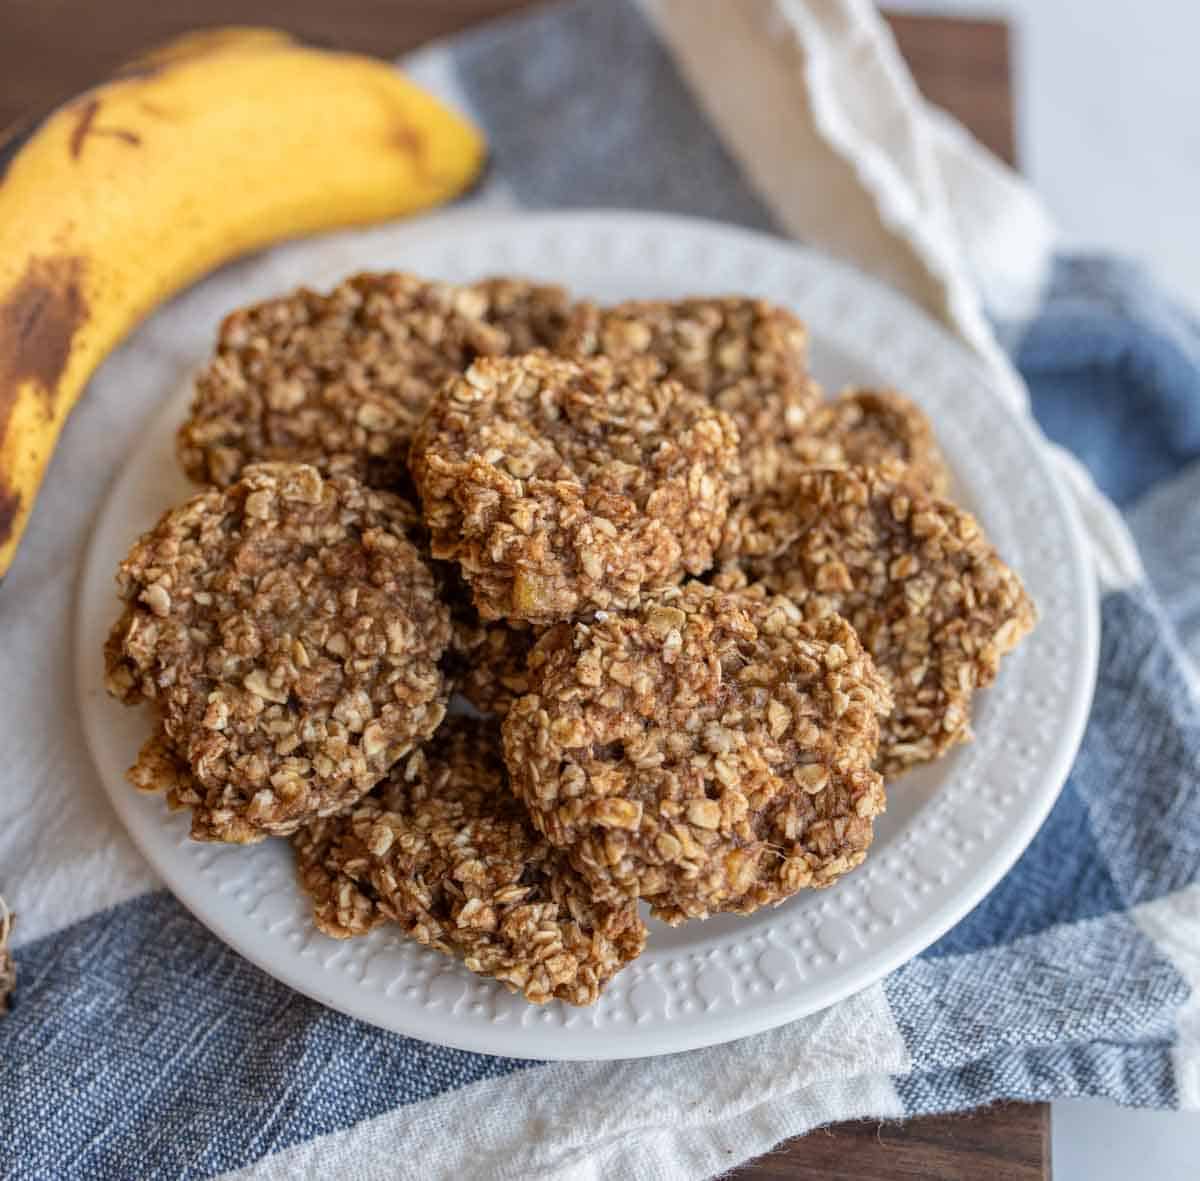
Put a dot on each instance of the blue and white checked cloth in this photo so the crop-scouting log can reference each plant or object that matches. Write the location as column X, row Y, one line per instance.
column 140, row 1046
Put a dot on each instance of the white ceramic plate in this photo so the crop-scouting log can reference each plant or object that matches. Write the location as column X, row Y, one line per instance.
column 951, row 831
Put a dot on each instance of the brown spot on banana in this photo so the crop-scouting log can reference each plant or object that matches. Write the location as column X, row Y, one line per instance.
column 10, row 506
column 411, row 141
column 155, row 110
column 38, row 321
column 88, row 109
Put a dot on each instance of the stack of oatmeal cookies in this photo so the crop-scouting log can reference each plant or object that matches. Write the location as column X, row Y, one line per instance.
column 693, row 613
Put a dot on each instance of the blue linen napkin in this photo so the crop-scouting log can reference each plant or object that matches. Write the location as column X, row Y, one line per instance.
column 139, row 1045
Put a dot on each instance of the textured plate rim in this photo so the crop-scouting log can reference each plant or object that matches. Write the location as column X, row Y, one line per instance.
column 641, row 1037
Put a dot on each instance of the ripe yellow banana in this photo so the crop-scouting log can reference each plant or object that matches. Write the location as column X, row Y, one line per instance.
column 213, row 145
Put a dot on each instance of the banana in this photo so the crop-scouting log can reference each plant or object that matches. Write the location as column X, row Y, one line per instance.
column 211, row 146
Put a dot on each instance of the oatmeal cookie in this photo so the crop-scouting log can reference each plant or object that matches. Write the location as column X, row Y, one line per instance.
column 563, row 486
column 874, row 428
column 917, row 579
column 289, row 635
column 860, row 428
column 446, row 851
column 341, row 380
column 711, row 752
column 746, row 356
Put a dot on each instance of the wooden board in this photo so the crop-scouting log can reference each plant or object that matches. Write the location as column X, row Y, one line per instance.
column 1009, row 1142
column 50, row 50
column 963, row 66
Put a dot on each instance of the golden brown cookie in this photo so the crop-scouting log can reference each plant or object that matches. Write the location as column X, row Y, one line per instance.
column 862, row 428
column 746, row 356
column 872, row 428
column 564, row 486
column 924, row 589
column 445, row 850
column 709, row 752
column 340, row 380
column 289, row 635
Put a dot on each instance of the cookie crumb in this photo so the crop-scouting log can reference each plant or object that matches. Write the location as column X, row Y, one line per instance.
column 8, row 965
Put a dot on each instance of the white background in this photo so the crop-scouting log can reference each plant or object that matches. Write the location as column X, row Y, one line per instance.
column 1108, row 122
column 1108, row 131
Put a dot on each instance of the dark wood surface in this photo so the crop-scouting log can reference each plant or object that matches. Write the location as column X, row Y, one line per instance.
column 50, row 49
column 1009, row 1142
column 963, row 66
